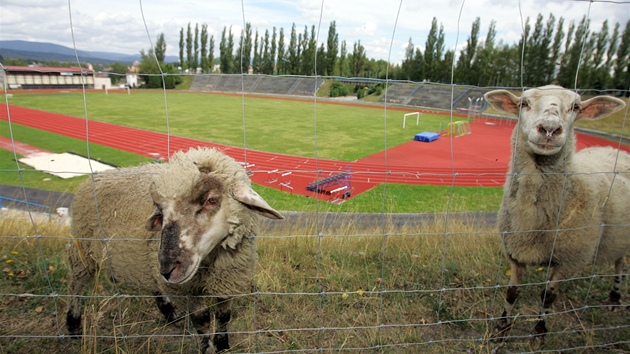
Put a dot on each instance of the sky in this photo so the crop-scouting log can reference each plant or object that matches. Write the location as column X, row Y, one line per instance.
column 384, row 27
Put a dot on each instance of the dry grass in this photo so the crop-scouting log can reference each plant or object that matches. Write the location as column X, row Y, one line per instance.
column 337, row 286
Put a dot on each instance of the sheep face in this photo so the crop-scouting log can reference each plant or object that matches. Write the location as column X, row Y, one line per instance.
column 201, row 199
column 191, row 226
column 546, row 114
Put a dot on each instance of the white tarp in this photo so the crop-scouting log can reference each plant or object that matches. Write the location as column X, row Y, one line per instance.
column 65, row 165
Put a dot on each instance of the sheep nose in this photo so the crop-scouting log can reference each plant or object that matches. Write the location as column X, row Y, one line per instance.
column 167, row 274
column 549, row 131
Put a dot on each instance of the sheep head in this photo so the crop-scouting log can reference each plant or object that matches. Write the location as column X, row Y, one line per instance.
column 198, row 199
column 546, row 114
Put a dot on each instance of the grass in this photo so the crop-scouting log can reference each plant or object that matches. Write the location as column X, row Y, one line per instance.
column 410, row 288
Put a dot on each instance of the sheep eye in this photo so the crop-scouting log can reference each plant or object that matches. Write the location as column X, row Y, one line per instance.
column 211, row 201
column 576, row 107
column 524, row 105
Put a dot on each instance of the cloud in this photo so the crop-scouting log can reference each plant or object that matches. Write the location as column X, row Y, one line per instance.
column 118, row 25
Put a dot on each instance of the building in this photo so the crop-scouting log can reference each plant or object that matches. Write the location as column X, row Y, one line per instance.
column 41, row 77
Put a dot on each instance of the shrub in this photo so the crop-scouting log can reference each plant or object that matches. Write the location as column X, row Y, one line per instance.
column 338, row 89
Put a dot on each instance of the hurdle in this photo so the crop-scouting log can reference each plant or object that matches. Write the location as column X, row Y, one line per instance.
column 339, row 195
column 248, row 168
column 272, row 176
column 457, row 129
column 286, row 181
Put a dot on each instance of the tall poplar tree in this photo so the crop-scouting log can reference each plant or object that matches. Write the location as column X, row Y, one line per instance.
column 332, row 48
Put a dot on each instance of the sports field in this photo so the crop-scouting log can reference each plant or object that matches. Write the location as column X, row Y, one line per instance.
column 347, row 148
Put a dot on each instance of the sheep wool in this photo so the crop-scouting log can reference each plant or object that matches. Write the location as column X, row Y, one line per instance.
column 180, row 230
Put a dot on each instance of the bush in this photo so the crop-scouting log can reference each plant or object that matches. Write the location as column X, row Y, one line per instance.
column 338, row 89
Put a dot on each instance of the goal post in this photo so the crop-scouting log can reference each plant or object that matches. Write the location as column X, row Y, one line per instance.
column 416, row 114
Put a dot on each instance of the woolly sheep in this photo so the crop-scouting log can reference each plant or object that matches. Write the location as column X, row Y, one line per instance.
column 560, row 208
column 177, row 230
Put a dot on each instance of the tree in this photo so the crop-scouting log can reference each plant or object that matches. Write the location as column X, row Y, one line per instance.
column 332, row 48
column 256, row 63
column 211, row 54
column 182, row 62
column 621, row 77
column 556, row 46
column 320, row 61
column 204, row 49
column 196, row 48
column 267, row 66
column 357, row 60
column 293, row 54
column 568, row 72
column 408, row 64
column 160, row 48
column 242, row 59
column 432, row 52
column 117, row 71
column 151, row 72
column 272, row 51
column 464, row 73
column 343, row 62
column 189, row 48
column 485, row 62
column 281, row 61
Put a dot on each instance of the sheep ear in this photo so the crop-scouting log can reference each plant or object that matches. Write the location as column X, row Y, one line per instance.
column 503, row 100
column 255, row 202
column 599, row 107
column 154, row 222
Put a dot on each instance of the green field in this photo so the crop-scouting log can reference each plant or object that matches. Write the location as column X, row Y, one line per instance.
column 291, row 127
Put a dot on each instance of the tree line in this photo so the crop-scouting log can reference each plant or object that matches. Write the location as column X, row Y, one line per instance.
column 547, row 52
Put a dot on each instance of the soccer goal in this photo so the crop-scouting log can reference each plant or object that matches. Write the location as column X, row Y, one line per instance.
column 416, row 114
column 458, row 128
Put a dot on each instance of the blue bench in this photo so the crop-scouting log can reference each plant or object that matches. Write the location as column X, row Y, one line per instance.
column 427, row 137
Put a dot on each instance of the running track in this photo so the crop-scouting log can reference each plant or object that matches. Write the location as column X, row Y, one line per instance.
column 477, row 159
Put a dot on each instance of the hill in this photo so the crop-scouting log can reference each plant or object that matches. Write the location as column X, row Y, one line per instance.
column 40, row 51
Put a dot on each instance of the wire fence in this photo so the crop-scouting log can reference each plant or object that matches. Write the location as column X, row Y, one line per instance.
column 329, row 280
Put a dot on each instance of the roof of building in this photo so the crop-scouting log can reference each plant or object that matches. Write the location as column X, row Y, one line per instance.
column 47, row 69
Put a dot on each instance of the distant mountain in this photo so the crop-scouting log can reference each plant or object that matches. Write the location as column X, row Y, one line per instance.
column 40, row 51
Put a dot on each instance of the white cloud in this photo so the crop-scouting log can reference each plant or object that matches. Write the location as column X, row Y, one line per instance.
column 118, row 25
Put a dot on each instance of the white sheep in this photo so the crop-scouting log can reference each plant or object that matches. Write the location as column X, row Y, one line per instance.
column 176, row 230
column 560, row 208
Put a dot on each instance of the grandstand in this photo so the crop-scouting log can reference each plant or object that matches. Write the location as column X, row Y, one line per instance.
column 275, row 85
column 235, row 83
column 204, row 83
column 436, row 96
column 400, row 93
column 279, row 85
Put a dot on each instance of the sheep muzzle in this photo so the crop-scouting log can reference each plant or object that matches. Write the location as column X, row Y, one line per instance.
column 169, row 250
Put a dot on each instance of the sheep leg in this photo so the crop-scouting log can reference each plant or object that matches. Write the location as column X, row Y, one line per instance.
column 166, row 307
column 79, row 275
column 201, row 320
column 223, row 315
column 547, row 297
column 615, row 295
column 504, row 323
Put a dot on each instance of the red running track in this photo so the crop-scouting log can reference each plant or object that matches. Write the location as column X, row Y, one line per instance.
column 477, row 159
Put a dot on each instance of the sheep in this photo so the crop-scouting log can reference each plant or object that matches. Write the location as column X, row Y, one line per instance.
column 560, row 208
column 176, row 230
